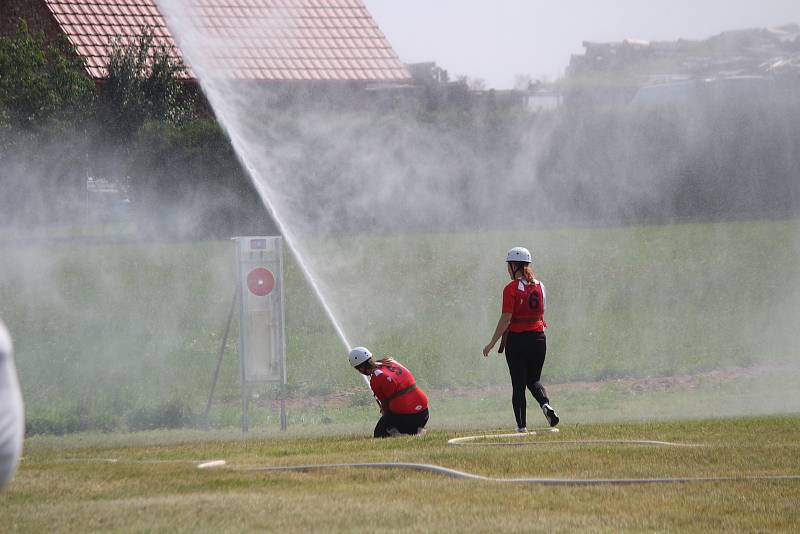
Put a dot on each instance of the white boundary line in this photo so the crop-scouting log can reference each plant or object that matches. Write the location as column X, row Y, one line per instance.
column 518, row 435
column 475, row 440
column 212, row 463
column 202, row 464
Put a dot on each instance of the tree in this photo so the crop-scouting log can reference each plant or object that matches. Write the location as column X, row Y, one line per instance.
column 45, row 101
column 40, row 82
column 144, row 83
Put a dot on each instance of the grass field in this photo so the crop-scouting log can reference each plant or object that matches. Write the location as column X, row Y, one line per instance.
column 667, row 333
column 69, row 484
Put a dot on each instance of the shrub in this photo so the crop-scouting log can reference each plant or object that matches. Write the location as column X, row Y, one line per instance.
column 171, row 414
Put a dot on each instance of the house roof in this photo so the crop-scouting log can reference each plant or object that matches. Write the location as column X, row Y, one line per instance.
column 286, row 40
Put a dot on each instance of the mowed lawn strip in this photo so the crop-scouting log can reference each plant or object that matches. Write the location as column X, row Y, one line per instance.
column 69, row 486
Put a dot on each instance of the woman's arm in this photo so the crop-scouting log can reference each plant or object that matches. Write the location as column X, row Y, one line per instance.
column 502, row 326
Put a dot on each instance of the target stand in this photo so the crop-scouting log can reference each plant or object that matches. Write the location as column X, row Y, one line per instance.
column 262, row 342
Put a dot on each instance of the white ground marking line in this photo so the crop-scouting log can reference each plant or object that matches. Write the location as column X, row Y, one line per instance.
column 515, row 435
column 212, row 463
column 202, row 464
column 476, row 440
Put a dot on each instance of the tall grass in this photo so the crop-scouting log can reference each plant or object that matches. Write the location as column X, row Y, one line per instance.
column 112, row 336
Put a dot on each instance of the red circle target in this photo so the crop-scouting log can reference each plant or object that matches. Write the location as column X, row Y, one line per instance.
column 260, row 282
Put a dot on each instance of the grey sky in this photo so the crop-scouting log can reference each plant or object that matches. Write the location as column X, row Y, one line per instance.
column 499, row 39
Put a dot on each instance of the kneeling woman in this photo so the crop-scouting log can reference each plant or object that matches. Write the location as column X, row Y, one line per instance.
column 404, row 406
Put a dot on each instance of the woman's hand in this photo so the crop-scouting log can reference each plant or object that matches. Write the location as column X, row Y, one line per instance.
column 502, row 326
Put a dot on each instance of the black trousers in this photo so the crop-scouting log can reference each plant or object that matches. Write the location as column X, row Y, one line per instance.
column 404, row 423
column 525, row 352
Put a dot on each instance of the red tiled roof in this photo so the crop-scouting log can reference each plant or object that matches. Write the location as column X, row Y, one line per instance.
column 252, row 39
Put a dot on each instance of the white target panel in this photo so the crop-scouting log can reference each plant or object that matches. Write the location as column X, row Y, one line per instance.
column 262, row 341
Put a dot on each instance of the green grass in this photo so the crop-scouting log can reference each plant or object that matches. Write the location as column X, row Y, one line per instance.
column 66, row 484
column 124, row 336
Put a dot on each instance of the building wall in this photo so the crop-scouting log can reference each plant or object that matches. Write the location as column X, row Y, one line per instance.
column 34, row 12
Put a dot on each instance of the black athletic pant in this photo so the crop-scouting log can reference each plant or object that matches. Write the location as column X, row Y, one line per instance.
column 404, row 423
column 525, row 353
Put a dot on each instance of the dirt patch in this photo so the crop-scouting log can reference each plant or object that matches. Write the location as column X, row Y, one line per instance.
column 664, row 383
column 360, row 396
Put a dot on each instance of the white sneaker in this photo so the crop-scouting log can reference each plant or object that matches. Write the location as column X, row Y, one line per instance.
column 550, row 414
column 522, row 430
column 421, row 431
column 393, row 432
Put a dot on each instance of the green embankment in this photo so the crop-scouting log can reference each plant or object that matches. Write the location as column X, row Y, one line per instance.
column 116, row 336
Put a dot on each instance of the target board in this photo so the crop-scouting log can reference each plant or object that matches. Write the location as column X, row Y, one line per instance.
column 262, row 340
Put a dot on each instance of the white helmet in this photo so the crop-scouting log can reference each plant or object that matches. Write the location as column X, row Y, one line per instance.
column 520, row 254
column 359, row 355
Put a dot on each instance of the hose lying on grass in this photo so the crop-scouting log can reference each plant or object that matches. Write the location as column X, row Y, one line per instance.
column 439, row 470
column 471, row 440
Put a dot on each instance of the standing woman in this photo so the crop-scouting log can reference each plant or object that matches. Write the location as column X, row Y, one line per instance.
column 521, row 325
column 404, row 406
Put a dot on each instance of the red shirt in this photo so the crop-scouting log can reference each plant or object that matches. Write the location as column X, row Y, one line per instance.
column 388, row 379
column 525, row 302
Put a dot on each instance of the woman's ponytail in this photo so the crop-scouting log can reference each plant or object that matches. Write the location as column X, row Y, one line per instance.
column 528, row 272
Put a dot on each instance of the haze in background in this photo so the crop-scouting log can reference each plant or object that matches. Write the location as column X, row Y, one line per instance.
column 403, row 226
column 403, row 215
column 497, row 41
